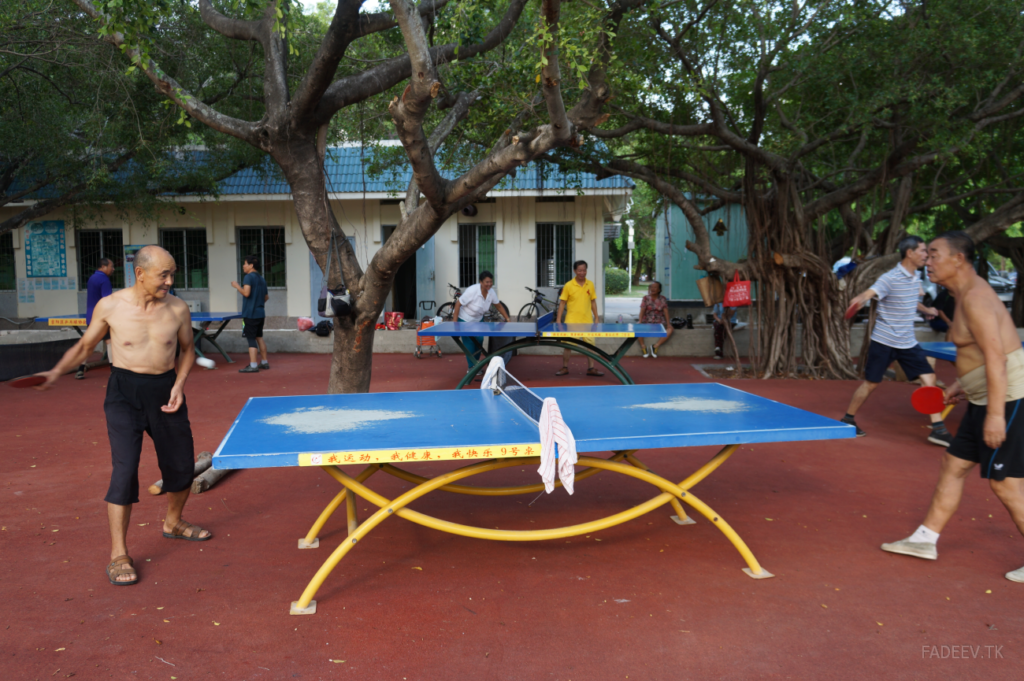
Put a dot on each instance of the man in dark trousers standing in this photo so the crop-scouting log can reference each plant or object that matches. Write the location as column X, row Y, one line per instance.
column 254, row 290
column 98, row 288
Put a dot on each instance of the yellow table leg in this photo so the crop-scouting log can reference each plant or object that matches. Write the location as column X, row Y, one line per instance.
column 708, row 468
column 680, row 518
column 670, row 491
column 353, row 516
column 311, row 541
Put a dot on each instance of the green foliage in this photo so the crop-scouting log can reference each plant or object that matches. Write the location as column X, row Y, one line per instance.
column 70, row 111
column 615, row 280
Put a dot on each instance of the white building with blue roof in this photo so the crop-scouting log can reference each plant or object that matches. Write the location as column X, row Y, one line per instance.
column 528, row 231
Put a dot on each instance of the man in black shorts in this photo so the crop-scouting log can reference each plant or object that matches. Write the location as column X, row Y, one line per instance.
column 893, row 340
column 144, row 395
column 254, row 294
column 990, row 366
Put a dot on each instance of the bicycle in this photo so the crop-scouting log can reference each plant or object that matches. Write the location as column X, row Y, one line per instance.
column 447, row 310
column 536, row 307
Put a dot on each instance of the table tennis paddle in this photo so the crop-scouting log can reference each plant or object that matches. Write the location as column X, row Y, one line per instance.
column 928, row 400
column 852, row 310
column 27, row 381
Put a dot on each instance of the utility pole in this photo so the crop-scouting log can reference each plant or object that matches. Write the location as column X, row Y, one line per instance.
column 630, row 245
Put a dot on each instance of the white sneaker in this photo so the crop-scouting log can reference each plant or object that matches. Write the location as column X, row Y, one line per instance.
column 647, row 351
column 654, row 352
column 1016, row 576
column 718, row 353
column 912, row 548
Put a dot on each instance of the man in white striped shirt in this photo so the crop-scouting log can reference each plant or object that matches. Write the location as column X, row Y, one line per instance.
column 899, row 300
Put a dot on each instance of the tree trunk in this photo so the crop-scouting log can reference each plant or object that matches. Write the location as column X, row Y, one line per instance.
column 352, row 361
column 796, row 287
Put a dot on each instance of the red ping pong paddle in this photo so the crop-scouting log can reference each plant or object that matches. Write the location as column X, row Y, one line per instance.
column 928, row 400
column 28, row 381
column 852, row 310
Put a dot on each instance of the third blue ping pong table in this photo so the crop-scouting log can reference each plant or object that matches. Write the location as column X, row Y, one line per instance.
column 484, row 431
column 201, row 322
column 545, row 332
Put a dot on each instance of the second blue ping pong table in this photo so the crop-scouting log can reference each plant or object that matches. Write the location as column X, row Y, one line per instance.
column 201, row 322
column 545, row 332
column 484, row 431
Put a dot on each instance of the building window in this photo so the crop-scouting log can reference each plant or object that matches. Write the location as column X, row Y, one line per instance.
column 268, row 244
column 7, row 261
column 554, row 253
column 96, row 244
column 476, row 252
column 189, row 249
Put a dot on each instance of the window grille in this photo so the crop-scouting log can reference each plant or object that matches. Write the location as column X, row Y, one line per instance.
column 188, row 246
column 555, row 245
column 96, row 244
column 476, row 252
column 7, row 279
column 268, row 244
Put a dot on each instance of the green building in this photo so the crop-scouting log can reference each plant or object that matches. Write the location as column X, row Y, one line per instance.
column 727, row 227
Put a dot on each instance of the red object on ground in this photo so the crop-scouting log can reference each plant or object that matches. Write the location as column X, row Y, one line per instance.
column 393, row 320
column 305, row 323
column 27, row 381
column 649, row 598
column 928, row 400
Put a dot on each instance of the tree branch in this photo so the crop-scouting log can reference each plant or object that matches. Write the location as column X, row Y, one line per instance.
column 358, row 87
column 207, row 115
column 236, row 29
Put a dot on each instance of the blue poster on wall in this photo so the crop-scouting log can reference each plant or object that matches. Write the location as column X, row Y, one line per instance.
column 45, row 255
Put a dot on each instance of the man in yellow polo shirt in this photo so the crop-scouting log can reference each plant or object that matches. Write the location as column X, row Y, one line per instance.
column 579, row 302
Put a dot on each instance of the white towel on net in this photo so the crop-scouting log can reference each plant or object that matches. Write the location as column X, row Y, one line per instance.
column 492, row 371
column 554, row 430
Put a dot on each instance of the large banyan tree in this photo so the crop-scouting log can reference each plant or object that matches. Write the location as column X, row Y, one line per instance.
column 834, row 124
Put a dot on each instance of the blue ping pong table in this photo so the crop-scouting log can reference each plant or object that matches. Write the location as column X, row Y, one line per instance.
column 546, row 333
column 486, row 432
column 946, row 351
column 201, row 322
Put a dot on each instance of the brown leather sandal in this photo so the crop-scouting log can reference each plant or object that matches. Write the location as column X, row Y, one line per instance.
column 594, row 372
column 562, row 372
column 179, row 532
column 122, row 565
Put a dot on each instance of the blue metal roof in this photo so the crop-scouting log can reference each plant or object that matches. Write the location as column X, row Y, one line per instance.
column 345, row 175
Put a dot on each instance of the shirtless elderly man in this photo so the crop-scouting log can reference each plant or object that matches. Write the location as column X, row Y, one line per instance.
column 990, row 366
column 144, row 394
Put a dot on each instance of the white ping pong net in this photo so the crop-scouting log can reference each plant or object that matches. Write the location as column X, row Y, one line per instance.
column 557, row 444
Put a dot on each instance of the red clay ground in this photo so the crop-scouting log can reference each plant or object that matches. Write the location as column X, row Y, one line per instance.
column 647, row 600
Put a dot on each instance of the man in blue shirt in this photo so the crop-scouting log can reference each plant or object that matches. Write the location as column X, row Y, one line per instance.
column 97, row 288
column 254, row 290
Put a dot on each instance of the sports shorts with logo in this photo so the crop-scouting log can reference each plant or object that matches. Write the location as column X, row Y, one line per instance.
column 997, row 464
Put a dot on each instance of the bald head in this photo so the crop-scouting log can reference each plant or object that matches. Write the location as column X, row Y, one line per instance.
column 154, row 271
column 149, row 256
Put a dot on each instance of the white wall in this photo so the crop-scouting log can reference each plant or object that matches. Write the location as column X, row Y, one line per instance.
column 515, row 220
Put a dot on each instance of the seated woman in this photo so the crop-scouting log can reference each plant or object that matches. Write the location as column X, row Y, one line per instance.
column 654, row 310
